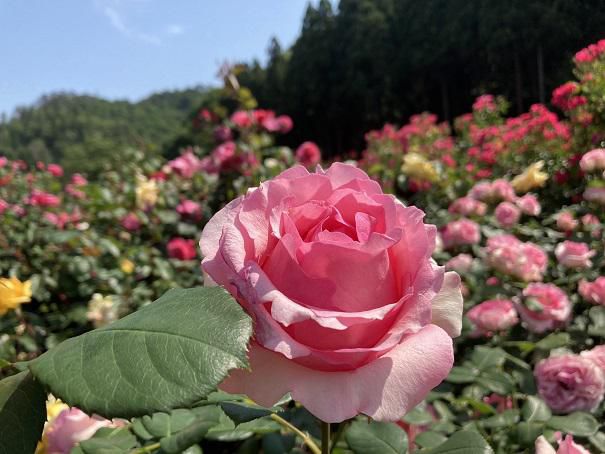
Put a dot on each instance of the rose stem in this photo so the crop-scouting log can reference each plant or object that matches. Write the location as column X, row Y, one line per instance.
column 325, row 437
column 305, row 437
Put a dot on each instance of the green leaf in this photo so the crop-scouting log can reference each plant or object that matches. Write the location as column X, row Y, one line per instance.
column 486, row 358
column 429, row 439
column 534, row 409
column 598, row 441
column 463, row 442
column 553, row 340
column 376, row 438
column 169, row 354
column 241, row 412
column 418, row 416
column 22, row 414
column 527, row 432
column 597, row 321
column 109, row 441
column 577, row 423
column 461, row 374
column 496, row 381
column 205, row 419
column 505, row 419
column 164, row 424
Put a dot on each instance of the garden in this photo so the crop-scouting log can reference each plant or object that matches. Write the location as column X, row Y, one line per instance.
column 442, row 291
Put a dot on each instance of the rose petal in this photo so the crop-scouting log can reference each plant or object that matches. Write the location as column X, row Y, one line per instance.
column 447, row 305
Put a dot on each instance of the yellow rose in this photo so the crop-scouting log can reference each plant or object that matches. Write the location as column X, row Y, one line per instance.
column 54, row 407
column 416, row 166
column 531, row 178
column 14, row 293
column 126, row 266
column 146, row 191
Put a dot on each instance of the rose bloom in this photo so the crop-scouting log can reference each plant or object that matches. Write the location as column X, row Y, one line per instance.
column 566, row 446
column 467, row 206
column 181, row 249
column 593, row 292
column 241, row 119
column 594, row 195
column 351, row 313
column 572, row 254
column 185, row 165
column 461, row 263
column 190, row 209
column 596, row 355
column 43, row 199
column 502, row 190
column 525, row 261
column 592, row 224
column 131, row 222
column 69, row 428
column 566, row 221
column 459, row 233
column 492, row 316
column 507, row 214
column 308, row 154
column 55, row 170
column 531, row 178
column 593, row 160
column 569, row 383
column 481, row 191
column 14, row 293
column 552, row 307
column 78, row 180
column 529, row 205
column 4, row 205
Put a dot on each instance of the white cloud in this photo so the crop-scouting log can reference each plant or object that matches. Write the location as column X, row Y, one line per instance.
column 175, row 29
column 113, row 10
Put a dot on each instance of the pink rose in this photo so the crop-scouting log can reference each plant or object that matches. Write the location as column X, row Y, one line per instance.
column 241, row 119
column 481, row 191
column 181, row 249
column 467, row 206
column 308, row 154
column 459, row 233
column 4, row 205
column 596, row 355
column 131, row 222
column 55, row 170
column 574, row 255
column 594, row 195
column 351, row 313
column 78, row 180
column 592, row 224
column 222, row 133
column 566, row 446
column 507, row 214
column 570, row 383
column 3, row 161
column 593, row 160
column 43, row 199
column 502, row 190
column 71, row 427
column 74, row 192
column 502, row 403
column 285, row 124
column 186, row 165
column 529, row 205
column 545, row 307
column 461, row 263
column 492, row 316
column 566, row 221
column 525, row 261
column 60, row 220
column 190, row 209
column 593, row 292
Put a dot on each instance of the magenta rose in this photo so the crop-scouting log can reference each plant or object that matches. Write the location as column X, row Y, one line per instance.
column 593, row 292
column 181, row 249
column 566, row 221
column 492, row 316
column 545, row 307
column 468, row 206
column 507, row 214
column 351, row 313
column 593, row 160
column 572, row 254
column 570, row 383
column 460, row 233
column 308, row 154
column 69, row 428
column 131, row 222
column 525, row 261
column 242, row 119
column 529, row 205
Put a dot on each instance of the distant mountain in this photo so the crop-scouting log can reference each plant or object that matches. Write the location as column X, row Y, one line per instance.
column 81, row 131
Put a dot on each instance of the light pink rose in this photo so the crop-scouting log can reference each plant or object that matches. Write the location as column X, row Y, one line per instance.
column 308, row 154
column 3, row 161
column 566, row 221
column 481, row 191
column 492, row 316
column 78, row 180
column 460, row 233
column 461, row 263
column 569, row 383
column 525, row 261
column 552, row 307
column 190, row 209
column 186, row 165
column 596, row 355
column 507, row 214
column 467, row 206
column 595, row 195
column 71, row 427
column 593, row 160
column 74, row 192
column 529, row 205
column 502, row 190
column 566, row 446
column 351, row 313
column 592, row 224
column 572, row 254
column 593, row 292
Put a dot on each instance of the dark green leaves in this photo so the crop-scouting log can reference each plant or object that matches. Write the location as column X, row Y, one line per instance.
column 577, row 423
column 463, row 442
column 376, row 438
column 169, row 354
column 22, row 414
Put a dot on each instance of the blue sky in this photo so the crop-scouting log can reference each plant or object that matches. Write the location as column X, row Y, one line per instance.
column 129, row 48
